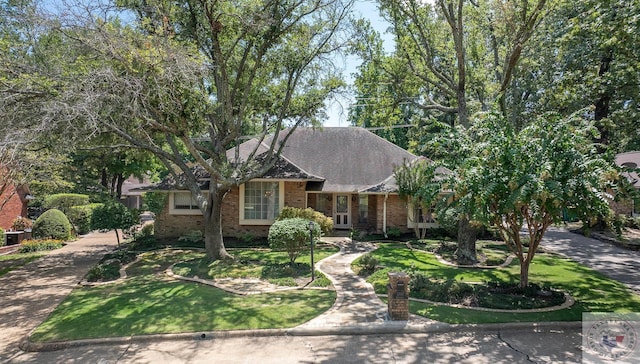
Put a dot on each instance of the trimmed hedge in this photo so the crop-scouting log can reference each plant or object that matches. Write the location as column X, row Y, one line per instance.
column 52, row 224
column 80, row 217
column 325, row 222
column 64, row 201
column 2, row 237
column 30, row 246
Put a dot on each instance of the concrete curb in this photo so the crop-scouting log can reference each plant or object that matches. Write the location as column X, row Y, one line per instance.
column 385, row 328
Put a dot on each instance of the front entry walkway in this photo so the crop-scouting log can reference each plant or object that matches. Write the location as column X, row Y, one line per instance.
column 356, row 301
column 357, row 305
column 30, row 293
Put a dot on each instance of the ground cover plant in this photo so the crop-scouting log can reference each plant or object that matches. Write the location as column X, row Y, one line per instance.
column 36, row 245
column 148, row 302
column 592, row 291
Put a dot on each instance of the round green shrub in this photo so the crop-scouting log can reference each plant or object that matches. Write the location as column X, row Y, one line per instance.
column 325, row 222
column 52, row 224
column 291, row 235
column 1, row 236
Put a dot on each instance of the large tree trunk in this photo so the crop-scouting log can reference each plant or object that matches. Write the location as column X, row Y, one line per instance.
column 213, row 240
column 119, row 182
column 602, row 104
column 467, row 236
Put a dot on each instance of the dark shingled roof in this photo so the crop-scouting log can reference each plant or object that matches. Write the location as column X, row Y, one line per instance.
column 349, row 159
column 332, row 159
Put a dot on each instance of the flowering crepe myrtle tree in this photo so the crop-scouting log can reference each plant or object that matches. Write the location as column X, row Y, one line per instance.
column 521, row 180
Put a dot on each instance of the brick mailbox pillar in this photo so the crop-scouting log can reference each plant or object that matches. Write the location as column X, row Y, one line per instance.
column 398, row 295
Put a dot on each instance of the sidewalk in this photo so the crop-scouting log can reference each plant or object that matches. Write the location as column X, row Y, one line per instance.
column 30, row 293
column 620, row 264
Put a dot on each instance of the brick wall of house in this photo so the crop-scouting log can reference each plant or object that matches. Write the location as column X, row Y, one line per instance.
column 173, row 226
column 396, row 213
column 14, row 207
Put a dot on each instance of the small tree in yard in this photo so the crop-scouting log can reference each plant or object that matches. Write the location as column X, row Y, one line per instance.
column 419, row 184
column 524, row 179
column 113, row 216
column 291, row 235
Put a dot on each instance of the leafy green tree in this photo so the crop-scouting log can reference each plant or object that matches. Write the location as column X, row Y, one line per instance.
column 453, row 58
column 521, row 180
column 113, row 215
column 420, row 184
column 585, row 56
column 196, row 76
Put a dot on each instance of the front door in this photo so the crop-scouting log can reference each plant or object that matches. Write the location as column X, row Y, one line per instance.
column 341, row 211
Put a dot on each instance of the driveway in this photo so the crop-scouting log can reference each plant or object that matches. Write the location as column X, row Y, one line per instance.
column 30, row 293
column 620, row 264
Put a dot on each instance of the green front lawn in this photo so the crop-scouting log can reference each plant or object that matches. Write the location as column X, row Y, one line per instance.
column 593, row 291
column 148, row 302
column 10, row 262
column 271, row 266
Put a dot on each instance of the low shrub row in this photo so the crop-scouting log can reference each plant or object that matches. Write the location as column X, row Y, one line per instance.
column 29, row 246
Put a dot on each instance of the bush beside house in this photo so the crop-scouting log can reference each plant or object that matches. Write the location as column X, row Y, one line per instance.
column 325, row 222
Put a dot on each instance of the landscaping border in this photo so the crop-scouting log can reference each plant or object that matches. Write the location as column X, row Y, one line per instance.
column 568, row 302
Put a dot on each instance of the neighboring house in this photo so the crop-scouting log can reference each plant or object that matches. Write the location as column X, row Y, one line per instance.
column 132, row 191
column 345, row 173
column 629, row 160
column 13, row 203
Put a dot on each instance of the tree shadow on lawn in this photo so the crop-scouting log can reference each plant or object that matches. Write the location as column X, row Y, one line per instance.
column 150, row 305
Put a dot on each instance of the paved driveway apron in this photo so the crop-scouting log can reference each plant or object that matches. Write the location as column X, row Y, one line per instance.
column 29, row 294
column 620, row 264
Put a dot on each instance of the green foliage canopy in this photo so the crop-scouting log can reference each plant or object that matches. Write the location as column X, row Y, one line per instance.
column 524, row 179
column 325, row 222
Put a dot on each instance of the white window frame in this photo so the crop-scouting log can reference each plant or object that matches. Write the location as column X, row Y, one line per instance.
column 241, row 204
column 179, row 211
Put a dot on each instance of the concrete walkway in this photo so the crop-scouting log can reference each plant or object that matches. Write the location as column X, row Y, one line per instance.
column 30, row 293
column 620, row 264
column 357, row 306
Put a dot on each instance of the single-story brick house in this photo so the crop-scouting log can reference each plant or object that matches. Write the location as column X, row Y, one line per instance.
column 345, row 173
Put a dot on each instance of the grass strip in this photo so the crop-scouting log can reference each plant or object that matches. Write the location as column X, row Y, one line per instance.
column 10, row 262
